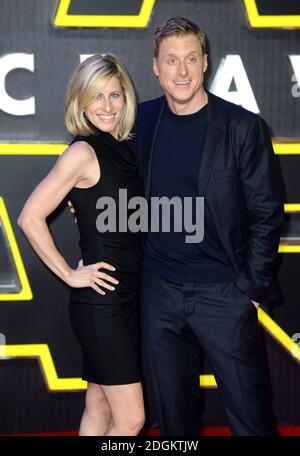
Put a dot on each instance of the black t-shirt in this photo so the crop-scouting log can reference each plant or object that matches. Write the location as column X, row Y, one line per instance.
column 175, row 168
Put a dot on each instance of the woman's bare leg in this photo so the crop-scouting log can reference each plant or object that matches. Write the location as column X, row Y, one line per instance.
column 96, row 419
column 127, row 408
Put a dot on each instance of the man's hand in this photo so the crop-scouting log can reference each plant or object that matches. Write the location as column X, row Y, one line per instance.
column 256, row 304
column 72, row 210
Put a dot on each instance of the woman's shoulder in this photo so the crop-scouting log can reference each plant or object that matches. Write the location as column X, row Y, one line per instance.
column 81, row 149
column 91, row 140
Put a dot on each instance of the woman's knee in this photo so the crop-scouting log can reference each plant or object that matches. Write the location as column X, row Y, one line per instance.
column 139, row 422
column 132, row 424
column 96, row 401
column 127, row 407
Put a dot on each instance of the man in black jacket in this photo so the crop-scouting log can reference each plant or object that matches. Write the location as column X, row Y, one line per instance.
column 191, row 143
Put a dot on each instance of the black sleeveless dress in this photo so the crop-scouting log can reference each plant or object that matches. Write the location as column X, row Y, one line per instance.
column 107, row 325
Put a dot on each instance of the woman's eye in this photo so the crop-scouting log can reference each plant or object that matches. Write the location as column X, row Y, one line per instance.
column 115, row 95
column 98, row 97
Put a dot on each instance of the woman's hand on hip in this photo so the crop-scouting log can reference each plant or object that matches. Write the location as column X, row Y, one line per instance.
column 92, row 275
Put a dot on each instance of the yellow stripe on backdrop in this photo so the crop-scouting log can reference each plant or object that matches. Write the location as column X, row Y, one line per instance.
column 63, row 19
column 257, row 20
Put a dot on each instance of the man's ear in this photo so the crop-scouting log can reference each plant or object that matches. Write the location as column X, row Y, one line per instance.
column 155, row 67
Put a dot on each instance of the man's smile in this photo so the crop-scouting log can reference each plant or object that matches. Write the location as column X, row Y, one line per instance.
column 183, row 83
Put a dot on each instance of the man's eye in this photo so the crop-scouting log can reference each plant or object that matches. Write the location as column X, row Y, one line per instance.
column 192, row 59
column 172, row 60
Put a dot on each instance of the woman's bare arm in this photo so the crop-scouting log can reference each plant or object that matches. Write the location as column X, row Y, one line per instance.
column 70, row 168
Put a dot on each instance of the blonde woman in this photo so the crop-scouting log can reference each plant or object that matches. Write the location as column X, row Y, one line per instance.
column 100, row 113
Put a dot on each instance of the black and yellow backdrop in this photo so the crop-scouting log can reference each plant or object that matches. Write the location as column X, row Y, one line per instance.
column 254, row 60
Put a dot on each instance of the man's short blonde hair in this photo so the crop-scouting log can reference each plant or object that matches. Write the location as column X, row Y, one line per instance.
column 178, row 26
column 88, row 78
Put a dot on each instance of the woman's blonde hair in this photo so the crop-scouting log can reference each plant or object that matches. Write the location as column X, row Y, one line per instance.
column 84, row 85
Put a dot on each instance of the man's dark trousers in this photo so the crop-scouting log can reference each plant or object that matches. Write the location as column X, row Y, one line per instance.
column 177, row 319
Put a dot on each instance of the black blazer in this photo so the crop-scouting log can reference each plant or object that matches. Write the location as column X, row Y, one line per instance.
column 240, row 181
